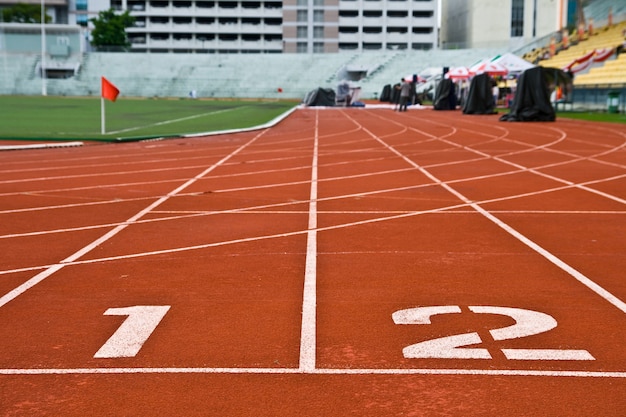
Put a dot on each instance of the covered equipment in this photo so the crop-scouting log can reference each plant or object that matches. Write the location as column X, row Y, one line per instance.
column 532, row 98
column 445, row 96
column 480, row 98
column 320, row 97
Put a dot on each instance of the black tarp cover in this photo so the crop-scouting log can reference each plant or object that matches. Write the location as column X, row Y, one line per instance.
column 445, row 97
column 479, row 97
column 385, row 95
column 320, row 97
column 532, row 98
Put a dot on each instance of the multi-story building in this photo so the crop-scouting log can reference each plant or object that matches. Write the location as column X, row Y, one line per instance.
column 500, row 23
column 57, row 9
column 266, row 26
column 304, row 26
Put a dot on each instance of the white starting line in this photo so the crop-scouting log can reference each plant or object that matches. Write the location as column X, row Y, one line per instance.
column 316, row 371
column 40, row 146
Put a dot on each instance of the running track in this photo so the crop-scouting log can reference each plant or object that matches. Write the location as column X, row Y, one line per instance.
column 343, row 262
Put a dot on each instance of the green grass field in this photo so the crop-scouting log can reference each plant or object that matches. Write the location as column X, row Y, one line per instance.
column 74, row 118
column 594, row 116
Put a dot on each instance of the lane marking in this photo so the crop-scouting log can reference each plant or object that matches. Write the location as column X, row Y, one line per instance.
column 167, row 122
column 527, row 323
column 317, row 371
column 40, row 146
column 308, row 343
column 134, row 331
column 11, row 295
column 395, row 216
column 612, row 299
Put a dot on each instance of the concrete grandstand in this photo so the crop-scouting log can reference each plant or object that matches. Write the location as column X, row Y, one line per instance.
column 229, row 75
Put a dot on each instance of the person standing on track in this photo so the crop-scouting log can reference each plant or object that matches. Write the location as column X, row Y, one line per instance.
column 405, row 92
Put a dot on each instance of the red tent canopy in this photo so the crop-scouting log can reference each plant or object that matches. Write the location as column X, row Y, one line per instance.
column 488, row 67
column 458, row 73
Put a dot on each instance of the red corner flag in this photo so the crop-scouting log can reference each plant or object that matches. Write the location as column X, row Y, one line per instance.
column 109, row 91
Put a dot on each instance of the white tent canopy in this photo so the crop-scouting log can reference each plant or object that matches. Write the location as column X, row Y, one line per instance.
column 512, row 62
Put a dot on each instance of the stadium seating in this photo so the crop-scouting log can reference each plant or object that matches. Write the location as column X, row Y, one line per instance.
column 598, row 10
column 608, row 37
column 612, row 72
column 229, row 75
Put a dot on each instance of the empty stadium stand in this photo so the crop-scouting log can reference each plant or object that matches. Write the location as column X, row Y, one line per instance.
column 229, row 75
column 612, row 72
column 607, row 37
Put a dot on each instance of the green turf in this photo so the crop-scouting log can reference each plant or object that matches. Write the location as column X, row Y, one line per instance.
column 594, row 116
column 74, row 118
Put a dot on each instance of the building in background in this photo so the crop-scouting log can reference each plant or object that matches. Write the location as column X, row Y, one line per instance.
column 327, row 26
column 58, row 10
column 262, row 26
column 508, row 24
column 272, row 26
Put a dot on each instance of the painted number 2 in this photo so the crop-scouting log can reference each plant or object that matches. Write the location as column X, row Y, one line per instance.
column 134, row 331
column 527, row 323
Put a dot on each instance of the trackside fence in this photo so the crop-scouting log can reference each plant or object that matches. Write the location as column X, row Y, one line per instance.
column 597, row 98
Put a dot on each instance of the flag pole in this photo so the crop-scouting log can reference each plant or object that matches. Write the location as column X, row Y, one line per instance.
column 102, row 118
column 44, row 88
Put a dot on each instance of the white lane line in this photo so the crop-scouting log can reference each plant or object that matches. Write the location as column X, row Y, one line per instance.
column 317, row 371
column 11, row 295
column 606, row 295
column 392, row 216
column 167, row 122
column 40, row 146
column 309, row 299
column 100, row 174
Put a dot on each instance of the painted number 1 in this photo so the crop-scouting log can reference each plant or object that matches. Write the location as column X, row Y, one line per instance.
column 134, row 331
column 527, row 323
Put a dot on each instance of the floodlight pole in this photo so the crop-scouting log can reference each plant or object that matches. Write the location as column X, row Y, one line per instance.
column 44, row 89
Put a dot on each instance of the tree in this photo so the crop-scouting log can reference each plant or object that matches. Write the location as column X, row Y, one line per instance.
column 24, row 13
column 110, row 30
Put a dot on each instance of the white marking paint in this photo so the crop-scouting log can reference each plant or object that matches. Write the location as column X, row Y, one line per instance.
column 547, row 355
column 41, row 146
column 309, row 300
column 167, row 122
column 527, row 323
column 11, row 295
column 422, row 315
column 606, row 295
column 317, row 371
column 134, row 331
column 449, row 347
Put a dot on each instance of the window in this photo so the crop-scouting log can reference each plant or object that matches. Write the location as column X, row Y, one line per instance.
column 81, row 5
column 318, row 15
column 517, row 18
column 83, row 19
column 301, row 47
column 302, row 16
column 422, row 14
column 318, row 32
column 372, row 29
column 302, row 32
column 348, row 13
column 318, row 47
column 422, row 30
column 372, row 13
column 348, row 29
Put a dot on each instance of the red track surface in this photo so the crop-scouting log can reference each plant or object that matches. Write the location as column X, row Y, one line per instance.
column 275, row 261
